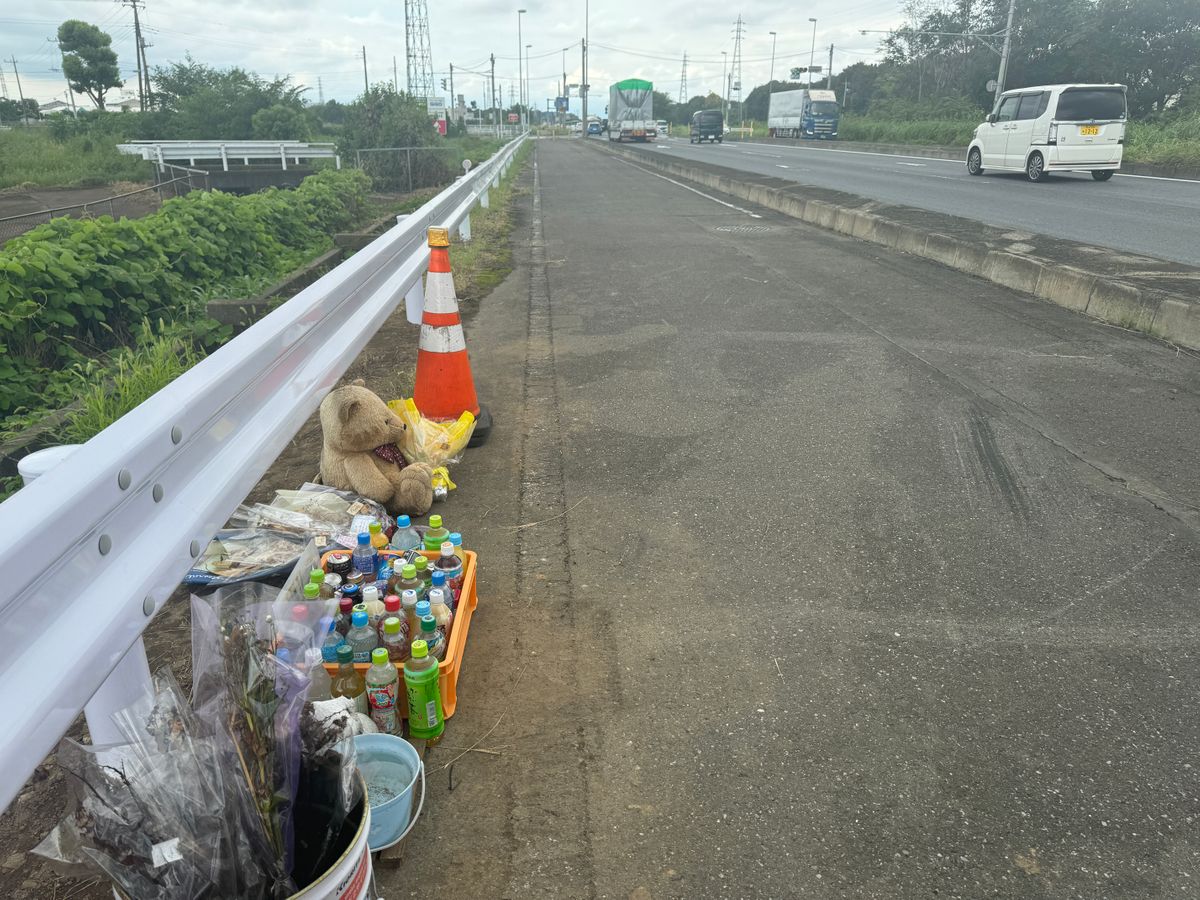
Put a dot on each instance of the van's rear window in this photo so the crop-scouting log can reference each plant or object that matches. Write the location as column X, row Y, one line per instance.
column 1079, row 104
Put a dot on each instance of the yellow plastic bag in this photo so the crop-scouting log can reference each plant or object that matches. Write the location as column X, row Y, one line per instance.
column 429, row 440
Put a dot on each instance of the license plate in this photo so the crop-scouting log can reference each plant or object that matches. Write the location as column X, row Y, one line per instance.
column 1089, row 129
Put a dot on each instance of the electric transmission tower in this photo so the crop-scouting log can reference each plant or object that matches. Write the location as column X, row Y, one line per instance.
column 418, row 64
column 736, row 70
column 683, row 98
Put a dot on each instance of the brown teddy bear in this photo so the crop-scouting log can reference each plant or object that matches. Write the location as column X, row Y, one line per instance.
column 359, row 452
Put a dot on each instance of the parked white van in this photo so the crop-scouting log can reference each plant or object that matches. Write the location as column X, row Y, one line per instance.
column 1053, row 128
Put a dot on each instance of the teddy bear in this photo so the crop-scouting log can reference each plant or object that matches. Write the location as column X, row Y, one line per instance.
column 359, row 453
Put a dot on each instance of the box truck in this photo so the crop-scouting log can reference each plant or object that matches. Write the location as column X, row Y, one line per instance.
column 631, row 111
column 803, row 114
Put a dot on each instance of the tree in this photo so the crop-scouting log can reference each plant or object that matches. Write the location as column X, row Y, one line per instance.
column 220, row 104
column 89, row 62
column 281, row 122
column 13, row 110
column 664, row 106
column 384, row 118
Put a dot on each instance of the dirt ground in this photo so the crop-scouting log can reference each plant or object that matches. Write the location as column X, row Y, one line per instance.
column 387, row 364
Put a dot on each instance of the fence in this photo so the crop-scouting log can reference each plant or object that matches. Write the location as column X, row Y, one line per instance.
column 133, row 203
column 132, row 510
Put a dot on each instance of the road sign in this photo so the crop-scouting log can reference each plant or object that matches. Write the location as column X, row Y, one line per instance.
column 991, row 85
column 816, row 70
column 562, row 104
column 513, row 118
column 797, row 71
column 435, row 105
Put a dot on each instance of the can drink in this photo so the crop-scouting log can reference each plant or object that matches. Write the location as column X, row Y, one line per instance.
column 339, row 563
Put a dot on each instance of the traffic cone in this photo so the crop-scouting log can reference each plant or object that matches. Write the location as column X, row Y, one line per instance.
column 444, row 387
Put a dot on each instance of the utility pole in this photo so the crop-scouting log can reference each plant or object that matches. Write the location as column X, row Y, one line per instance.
column 528, row 88
column 366, row 86
column 320, row 91
column 585, row 86
column 771, row 77
column 724, row 86
column 495, row 114
column 142, row 74
column 829, row 71
column 812, row 51
column 20, row 93
column 70, row 93
column 520, row 64
column 395, row 75
column 1004, row 53
column 453, row 102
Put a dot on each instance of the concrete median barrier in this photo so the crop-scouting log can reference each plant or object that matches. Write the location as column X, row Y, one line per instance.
column 1155, row 296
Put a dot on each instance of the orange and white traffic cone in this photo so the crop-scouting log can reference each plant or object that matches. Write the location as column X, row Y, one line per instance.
column 444, row 386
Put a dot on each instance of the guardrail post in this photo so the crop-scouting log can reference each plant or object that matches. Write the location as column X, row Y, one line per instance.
column 224, row 159
column 464, row 229
column 484, row 201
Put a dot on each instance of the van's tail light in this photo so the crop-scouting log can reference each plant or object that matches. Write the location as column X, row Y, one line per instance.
column 1052, row 136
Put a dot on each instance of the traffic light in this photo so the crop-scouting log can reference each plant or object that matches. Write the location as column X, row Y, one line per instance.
column 443, row 84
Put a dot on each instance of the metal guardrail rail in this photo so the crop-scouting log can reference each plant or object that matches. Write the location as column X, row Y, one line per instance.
column 91, row 550
column 163, row 152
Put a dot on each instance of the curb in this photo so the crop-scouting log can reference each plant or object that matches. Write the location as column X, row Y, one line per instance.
column 1171, row 317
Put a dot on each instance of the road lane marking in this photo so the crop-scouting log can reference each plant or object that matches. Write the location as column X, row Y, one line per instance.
column 692, row 189
column 914, row 165
column 1158, row 178
column 781, row 166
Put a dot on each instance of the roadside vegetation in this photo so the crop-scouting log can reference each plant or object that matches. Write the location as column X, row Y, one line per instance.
column 486, row 260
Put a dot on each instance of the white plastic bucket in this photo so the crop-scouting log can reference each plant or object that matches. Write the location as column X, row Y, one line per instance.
column 350, row 877
column 38, row 463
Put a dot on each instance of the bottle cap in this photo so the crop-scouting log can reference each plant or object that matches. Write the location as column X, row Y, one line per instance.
column 421, row 564
column 428, row 623
column 391, row 625
column 364, row 538
column 346, row 605
column 436, row 596
column 408, row 598
column 283, row 654
column 447, row 548
column 379, row 656
column 359, row 607
column 435, row 521
column 333, row 579
column 312, row 656
column 420, row 649
column 422, row 608
column 374, row 528
column 311, row 591
column 456, row 539
column 409, row 571
column 351, row 591
column 391, row 603
column 345, row 654
column 403, row 522
column 317, row 576
column 439, row 578
column 299, row 612
column 370, row 594
column 359, row 619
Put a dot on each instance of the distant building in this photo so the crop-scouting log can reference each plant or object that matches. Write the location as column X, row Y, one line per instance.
column 54, row 107
column 129, row 104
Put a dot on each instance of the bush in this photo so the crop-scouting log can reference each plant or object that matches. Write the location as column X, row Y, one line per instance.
column 75, row 287
column 31, row 156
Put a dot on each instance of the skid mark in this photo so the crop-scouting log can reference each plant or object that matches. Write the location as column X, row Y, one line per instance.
column 996, row 469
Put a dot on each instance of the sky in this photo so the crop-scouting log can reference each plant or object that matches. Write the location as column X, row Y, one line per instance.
column 319, row 44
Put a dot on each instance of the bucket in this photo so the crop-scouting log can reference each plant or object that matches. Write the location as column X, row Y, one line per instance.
column 391, row 766
column 350, row 877
column 38, row 463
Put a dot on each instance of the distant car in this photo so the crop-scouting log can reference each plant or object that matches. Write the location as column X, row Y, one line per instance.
column 707, row 125
column 1053, row 128
column 662, row 126
column 594, row 128
column 577, row 127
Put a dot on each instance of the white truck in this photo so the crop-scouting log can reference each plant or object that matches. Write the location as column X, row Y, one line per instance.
column 631, row 111
column 803, row 113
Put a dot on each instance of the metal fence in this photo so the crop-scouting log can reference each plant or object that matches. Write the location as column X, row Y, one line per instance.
column 132, row 203
column 132, row 510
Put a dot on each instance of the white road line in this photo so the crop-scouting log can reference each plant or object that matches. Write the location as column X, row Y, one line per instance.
column 914, row 165
column 692, row 189
column 1159, row 178
column 781, row 166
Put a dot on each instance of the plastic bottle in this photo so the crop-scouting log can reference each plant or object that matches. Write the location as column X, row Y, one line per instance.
column 408, row 607
column 438, row 583
column 441, row 611
column 362, row 637
column 395, row 639
column 424, row 694
column 456, row 540
column 391, row 607
column 373, row 604
column 433, row 637
column 435, row 533
column 342, row 622
column 348, row 682
column 317, row 577
column 407, row 581
column 405, row 536
column 320, row 686
column 425, row 574
column 453, row 567
column 364, row 557
column 294, row 631
column 383, row 683
column 379, row 540
column 351, row 592
column 332, row 640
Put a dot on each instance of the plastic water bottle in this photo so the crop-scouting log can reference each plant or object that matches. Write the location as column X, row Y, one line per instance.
column 362, row 637
column 440, row 611
column 408, row 607
column 333, row 640
column 433, row 637
column 406, row 581
column 424, row 574
column 450, row 564
column 342, row 622
column 320, row 686
column 425, row 718
column 348, row 682
column 383, row 683
column 391, row 607
column 363, row 558
column 439, row 584
column 395, row 639
column 405, row 537
column 435, row 534
column 373, row 604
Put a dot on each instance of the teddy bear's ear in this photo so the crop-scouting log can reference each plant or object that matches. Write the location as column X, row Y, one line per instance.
column 358, row 382
column 349, row 411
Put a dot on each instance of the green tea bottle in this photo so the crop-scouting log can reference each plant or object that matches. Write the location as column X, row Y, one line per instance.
column 424, row 696
column 436, row 533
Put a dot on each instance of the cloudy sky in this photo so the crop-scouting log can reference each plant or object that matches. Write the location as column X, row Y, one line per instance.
column 319, row 43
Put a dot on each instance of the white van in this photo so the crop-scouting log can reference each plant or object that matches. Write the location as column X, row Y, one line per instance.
column 1053, row 128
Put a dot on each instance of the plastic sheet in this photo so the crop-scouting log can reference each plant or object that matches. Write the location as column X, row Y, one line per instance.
column 247, row 554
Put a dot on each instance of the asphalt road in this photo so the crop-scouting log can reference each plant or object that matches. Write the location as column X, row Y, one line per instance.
column 812, row 570
column 1157, row 217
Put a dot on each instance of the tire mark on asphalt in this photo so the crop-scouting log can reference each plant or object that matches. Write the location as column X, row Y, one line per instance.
column 999, row 473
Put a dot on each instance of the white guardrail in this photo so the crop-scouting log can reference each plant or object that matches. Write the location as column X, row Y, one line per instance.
column 163, row 152
column 92, row 549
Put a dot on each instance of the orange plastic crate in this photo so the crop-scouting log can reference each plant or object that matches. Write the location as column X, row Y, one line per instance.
column 449, row 667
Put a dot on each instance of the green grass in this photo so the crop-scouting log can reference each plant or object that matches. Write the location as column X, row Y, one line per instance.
column 31, row 156
column 486, row 260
